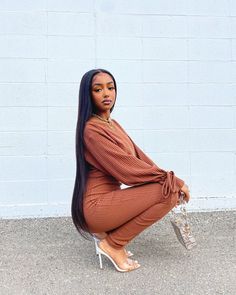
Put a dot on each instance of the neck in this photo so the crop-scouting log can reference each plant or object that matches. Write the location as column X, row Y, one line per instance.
column 105, row 116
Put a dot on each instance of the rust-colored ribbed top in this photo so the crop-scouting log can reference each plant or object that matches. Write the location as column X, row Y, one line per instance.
column 115, row 159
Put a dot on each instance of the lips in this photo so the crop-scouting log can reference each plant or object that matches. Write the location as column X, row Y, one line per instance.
column 106, row 101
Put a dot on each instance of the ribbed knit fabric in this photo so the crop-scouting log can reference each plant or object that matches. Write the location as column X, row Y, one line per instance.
column 114, row 159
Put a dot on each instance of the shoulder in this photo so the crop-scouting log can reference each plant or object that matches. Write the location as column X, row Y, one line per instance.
column 120, row 127
column 118, row 124
column 94, row 129
column 91, row 129
column 114, row 121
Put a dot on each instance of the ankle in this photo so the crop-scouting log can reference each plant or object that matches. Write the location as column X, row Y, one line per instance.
column 106, row 245
column 100, row 235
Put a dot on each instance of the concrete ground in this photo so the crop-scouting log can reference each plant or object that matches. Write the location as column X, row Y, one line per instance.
column 48, row 256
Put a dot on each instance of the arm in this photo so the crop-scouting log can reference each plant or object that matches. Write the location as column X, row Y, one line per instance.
column 104, row 154
column 142, row 156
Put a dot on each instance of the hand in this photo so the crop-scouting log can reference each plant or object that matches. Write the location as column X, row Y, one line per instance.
column 185, row 190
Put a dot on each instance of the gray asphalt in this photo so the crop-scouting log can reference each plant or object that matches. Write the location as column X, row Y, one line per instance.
column 48, row 256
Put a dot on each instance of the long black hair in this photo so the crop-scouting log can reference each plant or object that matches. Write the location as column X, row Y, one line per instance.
column 85, row 110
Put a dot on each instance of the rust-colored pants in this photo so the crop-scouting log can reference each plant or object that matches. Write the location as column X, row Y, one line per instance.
column 124, row 213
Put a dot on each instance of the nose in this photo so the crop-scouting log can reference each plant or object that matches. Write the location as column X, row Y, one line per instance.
column 105, row 92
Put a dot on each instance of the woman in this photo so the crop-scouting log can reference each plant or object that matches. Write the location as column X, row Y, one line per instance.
column 106, row 158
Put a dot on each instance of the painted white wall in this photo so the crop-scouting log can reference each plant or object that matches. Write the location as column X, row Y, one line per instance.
column 175, row 65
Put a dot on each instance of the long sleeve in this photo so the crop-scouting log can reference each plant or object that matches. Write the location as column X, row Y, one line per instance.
column 104, row 154
column 142, row 156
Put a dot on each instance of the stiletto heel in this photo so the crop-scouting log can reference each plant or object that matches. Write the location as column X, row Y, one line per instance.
column 100, row 259
column 96, row 240
column 101, row 252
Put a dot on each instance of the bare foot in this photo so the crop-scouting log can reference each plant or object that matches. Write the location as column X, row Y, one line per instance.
column 103, row 235
column 119, row 256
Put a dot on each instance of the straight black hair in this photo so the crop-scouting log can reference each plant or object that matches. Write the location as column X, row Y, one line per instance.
column 85, row 110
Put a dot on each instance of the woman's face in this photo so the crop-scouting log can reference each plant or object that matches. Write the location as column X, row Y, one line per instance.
column 103, row 92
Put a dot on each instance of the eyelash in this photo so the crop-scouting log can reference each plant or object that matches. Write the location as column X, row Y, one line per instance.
column 110, row 88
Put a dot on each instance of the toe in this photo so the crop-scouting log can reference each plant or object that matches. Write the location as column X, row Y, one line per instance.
column 135, row 265
column 132, row 262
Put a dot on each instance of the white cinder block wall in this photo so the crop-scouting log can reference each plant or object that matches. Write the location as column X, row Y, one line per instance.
column 175, row 65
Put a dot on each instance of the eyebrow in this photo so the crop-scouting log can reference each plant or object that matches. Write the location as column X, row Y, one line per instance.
column 102, row 84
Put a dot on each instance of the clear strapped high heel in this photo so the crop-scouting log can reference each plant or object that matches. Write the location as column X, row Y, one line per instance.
column 96, row 240
column 100, row 252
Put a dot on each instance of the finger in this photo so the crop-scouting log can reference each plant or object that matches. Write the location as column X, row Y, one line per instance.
column 187, row 197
